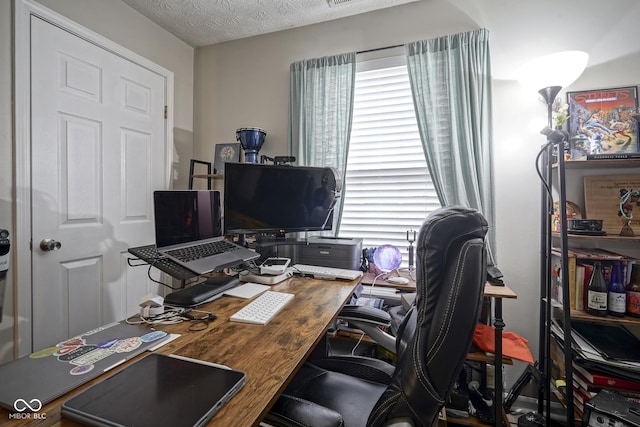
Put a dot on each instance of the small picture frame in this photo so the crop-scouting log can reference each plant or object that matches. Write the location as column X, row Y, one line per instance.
column 225, row 153
column 602, row 123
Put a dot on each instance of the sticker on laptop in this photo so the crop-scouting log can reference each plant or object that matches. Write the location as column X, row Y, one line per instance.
column 82, row 369
column 152, row 336
column 126, row 345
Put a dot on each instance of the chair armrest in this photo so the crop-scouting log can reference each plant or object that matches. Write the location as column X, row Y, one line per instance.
column 365, row 368
column 370, row 320
column 291, row 411
column 372, row 315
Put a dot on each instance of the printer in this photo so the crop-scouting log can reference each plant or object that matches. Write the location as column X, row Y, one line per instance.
column 335, row 252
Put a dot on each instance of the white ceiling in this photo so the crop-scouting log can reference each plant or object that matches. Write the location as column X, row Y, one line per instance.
column 206, row 22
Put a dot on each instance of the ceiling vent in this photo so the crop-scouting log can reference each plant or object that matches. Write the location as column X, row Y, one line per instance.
column 337, row 3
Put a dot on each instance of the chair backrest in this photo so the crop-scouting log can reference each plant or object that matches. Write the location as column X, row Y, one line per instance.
column 437, row 332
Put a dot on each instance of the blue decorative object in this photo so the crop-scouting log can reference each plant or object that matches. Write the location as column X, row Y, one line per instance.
column 251, row 140
column 387, row 258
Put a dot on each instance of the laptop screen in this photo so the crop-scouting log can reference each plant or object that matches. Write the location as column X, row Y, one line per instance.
column 185, row 216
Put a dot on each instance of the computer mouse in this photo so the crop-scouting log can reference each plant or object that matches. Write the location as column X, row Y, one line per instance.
column 398, row 280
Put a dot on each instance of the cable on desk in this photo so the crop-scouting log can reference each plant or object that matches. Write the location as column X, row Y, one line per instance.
column 246, row 268
column 169, row 317
column 374, row 282
column 176, row 315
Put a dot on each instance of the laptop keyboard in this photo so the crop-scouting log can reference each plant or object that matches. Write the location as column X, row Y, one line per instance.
column 202, row 251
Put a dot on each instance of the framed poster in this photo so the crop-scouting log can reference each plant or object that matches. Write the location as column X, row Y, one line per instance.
column 602, row 125
column 225, row 153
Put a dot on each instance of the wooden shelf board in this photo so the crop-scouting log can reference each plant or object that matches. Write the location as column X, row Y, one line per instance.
column 609, row 237
column 614, row 163
column 212, row 176
column 478, row 356
column 583, row 315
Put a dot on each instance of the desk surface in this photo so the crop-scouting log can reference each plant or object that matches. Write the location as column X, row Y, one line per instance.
column 491, row 291
column 270, row 355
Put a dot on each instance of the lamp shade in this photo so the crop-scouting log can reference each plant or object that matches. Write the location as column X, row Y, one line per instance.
column 556, row 69
column 387, row 258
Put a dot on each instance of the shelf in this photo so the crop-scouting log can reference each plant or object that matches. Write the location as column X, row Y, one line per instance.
column 583, row 315
column 568, row 180
column 608, row 237
column 478, row 356
column 209, row 176
column 604, row 164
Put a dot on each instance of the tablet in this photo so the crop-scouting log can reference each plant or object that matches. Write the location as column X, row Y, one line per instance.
column 157, row 390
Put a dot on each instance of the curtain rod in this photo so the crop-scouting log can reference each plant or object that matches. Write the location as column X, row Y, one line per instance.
column 378, row 48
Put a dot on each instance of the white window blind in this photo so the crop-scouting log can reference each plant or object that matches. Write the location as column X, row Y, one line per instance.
column 388, row 189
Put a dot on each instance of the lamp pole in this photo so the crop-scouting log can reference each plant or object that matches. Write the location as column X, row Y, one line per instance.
column 549, row 94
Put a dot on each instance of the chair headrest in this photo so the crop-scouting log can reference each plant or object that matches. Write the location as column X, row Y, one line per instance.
column 447, row 225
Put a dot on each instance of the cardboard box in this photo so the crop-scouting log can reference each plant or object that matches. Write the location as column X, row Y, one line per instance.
column 602, row 201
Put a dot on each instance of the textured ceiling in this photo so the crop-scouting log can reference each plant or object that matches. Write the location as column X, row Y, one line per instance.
column 205, row 22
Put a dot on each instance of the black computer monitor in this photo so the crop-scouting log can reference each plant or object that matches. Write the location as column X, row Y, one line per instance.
column 264, row 198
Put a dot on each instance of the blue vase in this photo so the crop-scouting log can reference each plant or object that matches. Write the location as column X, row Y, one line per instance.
column 251, row 140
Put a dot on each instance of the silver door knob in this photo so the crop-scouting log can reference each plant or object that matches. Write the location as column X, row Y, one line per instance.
column 50, row 245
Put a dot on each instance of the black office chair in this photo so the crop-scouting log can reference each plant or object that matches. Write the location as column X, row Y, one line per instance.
column 432, row 343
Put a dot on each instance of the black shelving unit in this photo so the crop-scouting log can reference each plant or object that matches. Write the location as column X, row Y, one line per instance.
column 553, row 167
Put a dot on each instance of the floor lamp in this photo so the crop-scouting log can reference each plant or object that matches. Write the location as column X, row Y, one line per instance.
column 548, row 75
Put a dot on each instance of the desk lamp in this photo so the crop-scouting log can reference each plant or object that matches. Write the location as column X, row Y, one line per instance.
column 388, row 258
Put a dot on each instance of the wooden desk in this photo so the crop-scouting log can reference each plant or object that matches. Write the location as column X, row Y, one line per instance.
column 270, row 355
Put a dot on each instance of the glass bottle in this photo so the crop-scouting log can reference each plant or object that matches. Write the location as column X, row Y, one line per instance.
column 633, row 292
column 617, row 297
column 597, row 292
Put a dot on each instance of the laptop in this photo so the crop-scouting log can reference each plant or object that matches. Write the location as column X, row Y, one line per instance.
column 157, row 390
column 188, row 227
column 51, row 372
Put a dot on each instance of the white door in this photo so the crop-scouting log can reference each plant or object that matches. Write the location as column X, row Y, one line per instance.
column 98, row 150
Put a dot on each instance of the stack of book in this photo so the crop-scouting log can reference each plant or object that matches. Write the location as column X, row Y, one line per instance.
column 606, row 356
column 587, row 383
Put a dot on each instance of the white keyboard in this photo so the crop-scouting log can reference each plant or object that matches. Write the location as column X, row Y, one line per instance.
column 262, row 309
column 327, row 272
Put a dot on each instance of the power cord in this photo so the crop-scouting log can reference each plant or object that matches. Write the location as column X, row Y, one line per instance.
column 151, row 265
column 249, row 267
column 174, row 315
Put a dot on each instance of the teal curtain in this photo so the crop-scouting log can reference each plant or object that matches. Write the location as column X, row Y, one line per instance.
column 451, row 84
column 320, row 113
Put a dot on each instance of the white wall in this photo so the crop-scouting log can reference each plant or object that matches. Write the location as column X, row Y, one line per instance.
column 244, row 83
column 125, row 26
column 6, row 168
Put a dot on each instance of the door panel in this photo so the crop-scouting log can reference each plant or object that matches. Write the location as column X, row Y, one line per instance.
column 98, row 152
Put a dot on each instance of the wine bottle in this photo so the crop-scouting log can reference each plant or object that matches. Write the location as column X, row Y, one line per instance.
column 597, row 292
column 633, row 292
column 617, row 296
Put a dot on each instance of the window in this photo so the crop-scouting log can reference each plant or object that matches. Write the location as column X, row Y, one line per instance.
column 388, row 190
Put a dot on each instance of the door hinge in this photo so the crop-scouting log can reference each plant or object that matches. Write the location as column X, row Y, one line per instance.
column 166, row 111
